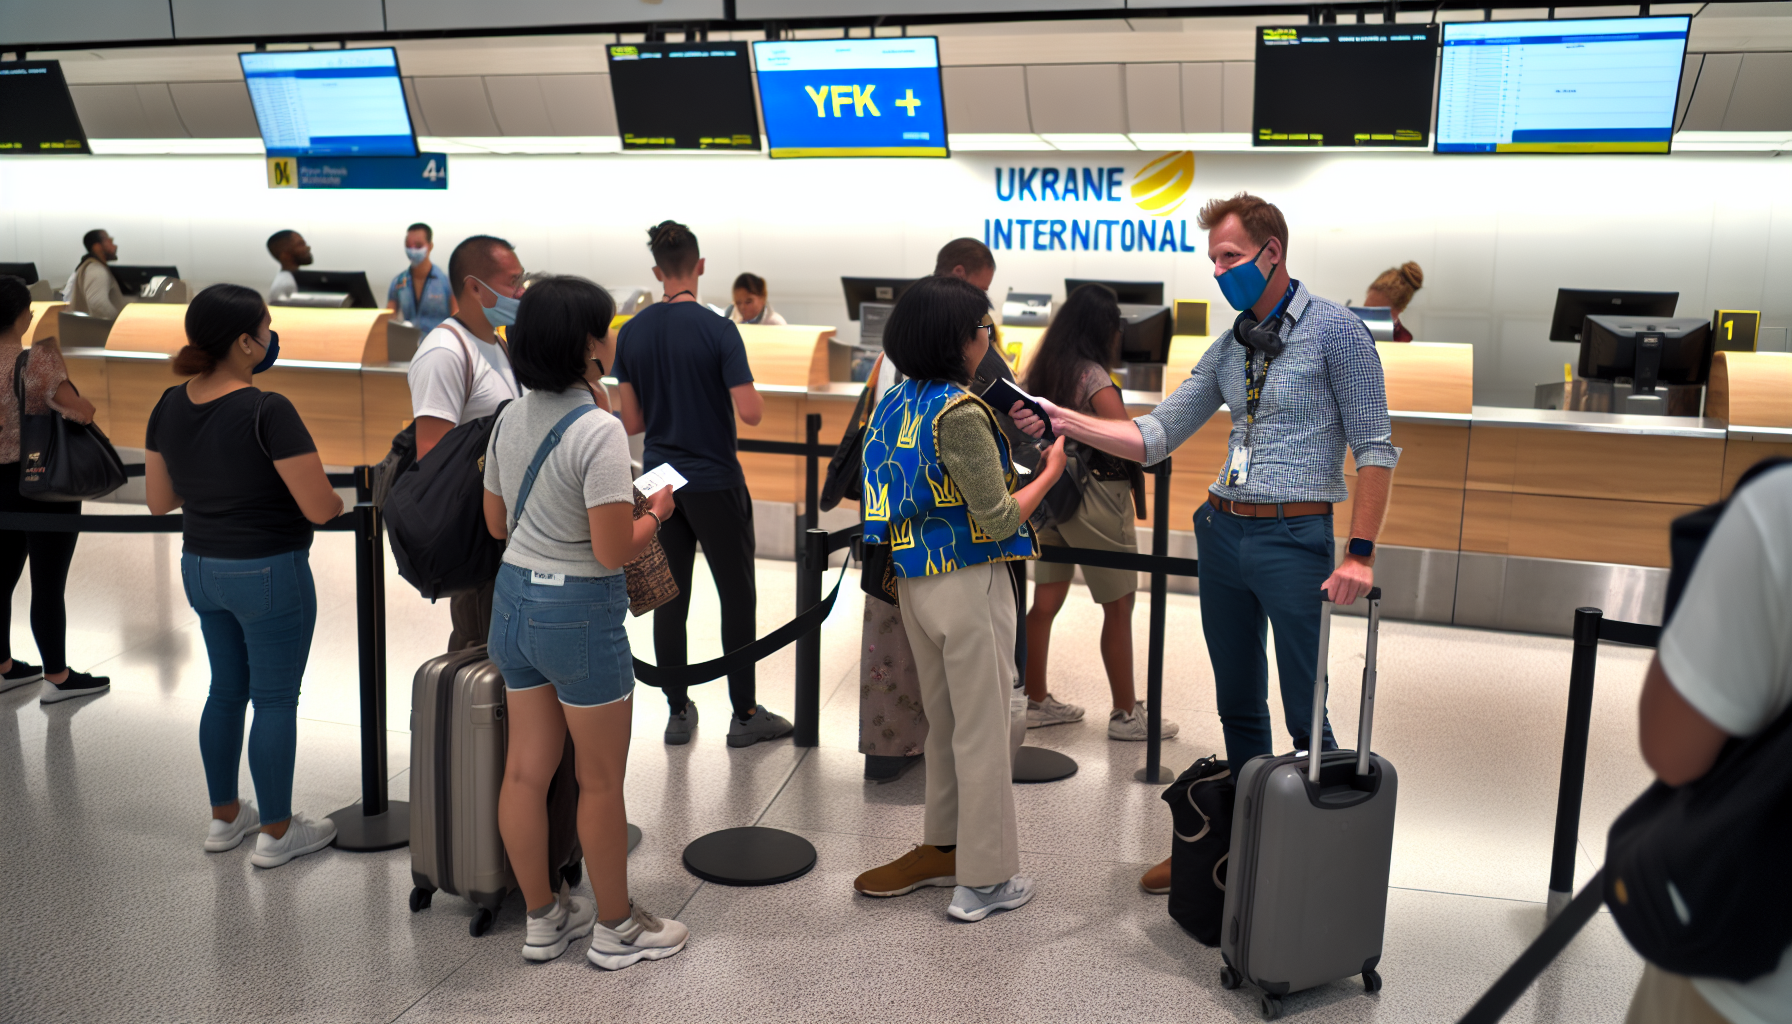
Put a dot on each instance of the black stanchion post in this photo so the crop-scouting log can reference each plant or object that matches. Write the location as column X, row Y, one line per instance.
column 812, row 474
column 375, row 823
column 1154, row 771
column 1574, row 758
column 811, row 569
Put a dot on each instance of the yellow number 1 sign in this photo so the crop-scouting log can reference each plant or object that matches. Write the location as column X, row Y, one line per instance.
column 283, row 172
column 1735, row 329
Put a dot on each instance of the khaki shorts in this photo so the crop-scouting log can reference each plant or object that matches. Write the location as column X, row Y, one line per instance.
column 1104, row 521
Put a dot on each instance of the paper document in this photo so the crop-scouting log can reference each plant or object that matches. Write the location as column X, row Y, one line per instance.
column 659, row 476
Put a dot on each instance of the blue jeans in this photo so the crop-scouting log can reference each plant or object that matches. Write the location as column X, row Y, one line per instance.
column 1253, row 572
column 570, row 636
column 257, row 615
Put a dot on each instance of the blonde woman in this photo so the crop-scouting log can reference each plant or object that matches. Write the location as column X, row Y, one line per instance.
column 1395, row 289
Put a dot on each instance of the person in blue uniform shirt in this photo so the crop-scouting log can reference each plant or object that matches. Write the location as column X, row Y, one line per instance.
column 420, row 293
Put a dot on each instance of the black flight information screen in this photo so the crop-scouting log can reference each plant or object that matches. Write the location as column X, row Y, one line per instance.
column 684, row 95
column 36, row 113
column 1345, row 85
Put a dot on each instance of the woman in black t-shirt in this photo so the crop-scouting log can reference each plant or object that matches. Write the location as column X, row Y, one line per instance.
column 241, row 465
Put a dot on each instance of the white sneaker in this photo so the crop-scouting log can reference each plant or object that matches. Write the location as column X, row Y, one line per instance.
column 641, row 937
column 970, row 904
column 547, row 937
column 302, row 836
column 225, row 835
column 1051, row 711
column 1132, row 725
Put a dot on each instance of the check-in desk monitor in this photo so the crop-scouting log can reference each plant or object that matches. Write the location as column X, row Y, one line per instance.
column 1646, row 350
column 1379, row 320
column 860, row 290
column 37, row 114
column 1591, row 85
column 352, row 283
column 330, row 103
column 1574, row 305
column 1138, row 293
column 26, row 272
column 1363, row 86
column 684, row 96
column 852, row 97
column 132, row 277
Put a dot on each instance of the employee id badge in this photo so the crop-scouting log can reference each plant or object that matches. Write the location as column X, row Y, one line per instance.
column 1238, row 468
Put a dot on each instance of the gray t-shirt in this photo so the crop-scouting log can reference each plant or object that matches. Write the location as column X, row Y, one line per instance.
column 590, row 467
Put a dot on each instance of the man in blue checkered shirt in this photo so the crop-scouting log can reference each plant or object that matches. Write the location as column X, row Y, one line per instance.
column 1302, row 379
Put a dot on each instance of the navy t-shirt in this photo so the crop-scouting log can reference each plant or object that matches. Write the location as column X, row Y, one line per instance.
column 681, row 359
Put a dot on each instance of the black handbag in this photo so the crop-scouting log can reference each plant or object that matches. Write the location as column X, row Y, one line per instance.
column 846, row 468
column 60, row 459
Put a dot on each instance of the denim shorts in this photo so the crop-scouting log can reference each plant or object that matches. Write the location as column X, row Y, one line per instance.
column 569, row 635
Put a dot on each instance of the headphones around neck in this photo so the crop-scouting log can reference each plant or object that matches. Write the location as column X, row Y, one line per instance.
column 1266, row 335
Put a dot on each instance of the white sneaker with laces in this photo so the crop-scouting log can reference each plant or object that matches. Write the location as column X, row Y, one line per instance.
column 1133, row 725
column 546, row 937
column 302, row 836
column 1051, row 711
column 225, row 835
column 641, row 937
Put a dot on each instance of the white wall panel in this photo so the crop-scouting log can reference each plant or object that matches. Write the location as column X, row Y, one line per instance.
column 1153, row 97
column 579, row 104
column 416, row 15
column 197, row 19
column 127, row 112
column 1203, row 97
column 518, row 106
column 1240, row 91
column 66, row 21
column 215, row 110
column 1076, row 98
column 1762, row 99
column 986, row 99
column 1711, row 94
column 456, row 106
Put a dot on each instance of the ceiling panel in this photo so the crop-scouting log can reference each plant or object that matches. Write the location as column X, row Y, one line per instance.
column 1203, row 97
column 456, row 106
column 1240, row 91
column 1762, row 99
column 198, row 19
column 66, row 21
column 579, row 104
column 127, row 112
column 415, row 15
column 215, row 110
column 1153, row 98
column 1076, row 98
column 518, row 106
column 986, row 100
column 1711, row 93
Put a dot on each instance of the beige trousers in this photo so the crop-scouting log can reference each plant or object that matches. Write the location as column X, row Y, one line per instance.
column 960, row 627
column 1666, row 998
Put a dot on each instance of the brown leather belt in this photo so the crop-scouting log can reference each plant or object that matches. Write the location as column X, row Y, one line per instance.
column 1288, row 510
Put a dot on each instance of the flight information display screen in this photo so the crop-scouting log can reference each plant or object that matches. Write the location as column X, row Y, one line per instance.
column 36, row 113
column 1597, row 85
column 684, row 95
column 852, row 97
column 1344, row 85
column 330, row 103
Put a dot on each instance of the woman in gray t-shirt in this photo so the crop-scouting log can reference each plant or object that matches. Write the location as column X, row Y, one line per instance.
column 557, row 614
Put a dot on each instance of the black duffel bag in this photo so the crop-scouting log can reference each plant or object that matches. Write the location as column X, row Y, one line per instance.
column 60, row 459
column 435, row 515
column 1201, row 802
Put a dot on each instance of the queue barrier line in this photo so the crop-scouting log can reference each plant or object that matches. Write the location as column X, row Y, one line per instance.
column 354, row 478
column 1506, row 990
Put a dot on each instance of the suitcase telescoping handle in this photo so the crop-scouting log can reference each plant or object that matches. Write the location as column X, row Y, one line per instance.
column 1366, row 715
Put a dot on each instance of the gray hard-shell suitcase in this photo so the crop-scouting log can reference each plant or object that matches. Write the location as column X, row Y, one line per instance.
column 458, row 744
column 1312, row 841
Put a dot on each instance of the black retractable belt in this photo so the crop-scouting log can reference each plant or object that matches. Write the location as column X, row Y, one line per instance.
column 740, row 657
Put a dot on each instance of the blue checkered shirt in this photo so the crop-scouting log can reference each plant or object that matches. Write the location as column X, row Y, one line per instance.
column 1324, row 390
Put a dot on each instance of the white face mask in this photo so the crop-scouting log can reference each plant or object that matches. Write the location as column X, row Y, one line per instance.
column 416, row 256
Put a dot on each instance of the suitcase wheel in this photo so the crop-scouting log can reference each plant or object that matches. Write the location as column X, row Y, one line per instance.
column 572, row 873
column 1269, row 1006
column 1230, row 978
column 481, row 923
column 1371, row 981
column 420, row 898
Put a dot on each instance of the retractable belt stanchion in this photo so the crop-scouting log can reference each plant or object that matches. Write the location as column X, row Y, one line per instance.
column 1154, row 771
column 375, row 823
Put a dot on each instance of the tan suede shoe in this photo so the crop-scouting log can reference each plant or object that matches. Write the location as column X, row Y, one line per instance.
column 923, row 865
column 1157, row 880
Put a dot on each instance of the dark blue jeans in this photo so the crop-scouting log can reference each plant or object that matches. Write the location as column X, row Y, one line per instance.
column 1255, row 572
column 257, row 616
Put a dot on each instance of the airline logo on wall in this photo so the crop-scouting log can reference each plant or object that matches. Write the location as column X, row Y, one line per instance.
column 1095, row 209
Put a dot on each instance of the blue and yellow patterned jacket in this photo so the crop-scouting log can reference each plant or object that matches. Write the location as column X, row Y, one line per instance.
column 911, row 503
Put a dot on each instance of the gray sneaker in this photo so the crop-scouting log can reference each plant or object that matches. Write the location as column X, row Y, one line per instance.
column 762, row 725
column 1132, row 725
column 679, row 726
column 1051, row 711
column 970, row 904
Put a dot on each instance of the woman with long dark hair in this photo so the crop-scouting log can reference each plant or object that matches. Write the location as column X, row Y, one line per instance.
column 1070, row 370
column 243, row 469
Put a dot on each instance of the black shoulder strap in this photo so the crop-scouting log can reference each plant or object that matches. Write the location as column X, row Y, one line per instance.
column 261, row 399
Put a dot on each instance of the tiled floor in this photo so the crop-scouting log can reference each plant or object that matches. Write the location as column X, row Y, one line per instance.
column 112, row 912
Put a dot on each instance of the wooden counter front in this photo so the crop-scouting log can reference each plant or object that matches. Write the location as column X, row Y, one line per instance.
column 43, row 321
column 1751, row 389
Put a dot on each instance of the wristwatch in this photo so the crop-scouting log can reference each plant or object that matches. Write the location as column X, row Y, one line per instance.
column 1362, row 548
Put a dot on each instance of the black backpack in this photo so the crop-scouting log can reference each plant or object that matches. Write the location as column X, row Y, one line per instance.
column 1695, row 875
column 435, row 515
column 1201, row 802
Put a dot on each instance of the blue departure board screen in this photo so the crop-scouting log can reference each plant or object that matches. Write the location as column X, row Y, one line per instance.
column 852, row 97
column 330, row 103
column 1597, row 85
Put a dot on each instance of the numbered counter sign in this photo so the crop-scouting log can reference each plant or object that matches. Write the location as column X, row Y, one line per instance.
column 425, row 170
column 1735, row 329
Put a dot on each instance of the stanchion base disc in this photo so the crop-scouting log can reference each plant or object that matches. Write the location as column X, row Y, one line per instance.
column 749, row 856
column 634, row 838
column 1037, row 764
column 1165, row 775
column 366, row 833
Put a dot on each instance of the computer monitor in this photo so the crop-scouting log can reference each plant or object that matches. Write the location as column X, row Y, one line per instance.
column 1646, row 351
column 872, row 289
column 1146, row 336
column 1140, row 293
column 1379, row 320
column 37, row 114
column 684, row 96
column 352, row 283
column 1574, row 305
column 131, row 279
column 1344, row 85
column 330, row 103
column 852, row 97
column 26, row 272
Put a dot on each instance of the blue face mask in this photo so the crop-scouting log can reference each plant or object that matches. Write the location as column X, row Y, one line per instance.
column 273, row 352
column 1243, row 285
column 416, row 256
column 504, row 313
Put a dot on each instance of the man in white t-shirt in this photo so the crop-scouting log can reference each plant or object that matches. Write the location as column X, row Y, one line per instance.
column 461, row 371
column 289, row 249
column 1724, row 669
